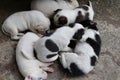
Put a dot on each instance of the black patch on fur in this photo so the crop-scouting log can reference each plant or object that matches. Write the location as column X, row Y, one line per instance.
column 35, row 53
column 78, row 34
column 49, row 33
column 56, row 11
column 89, row 24
column 75, row 70
column 88, row 3
column 85, row 7
column 62, row 20
column 93, row 60
column 98, row 39
column 72, row 44
column 51, row 55
column 94, row 45
column 71, row 25
column 51, row 46
column 79, row 17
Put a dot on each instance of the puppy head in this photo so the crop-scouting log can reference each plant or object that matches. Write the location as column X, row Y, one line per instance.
column 85, row 12
column 65, row 17
column 60, row 19
column 42, row 75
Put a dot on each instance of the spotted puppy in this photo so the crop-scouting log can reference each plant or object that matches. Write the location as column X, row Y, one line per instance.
column 45, row 5
column 19, row 22
column 47, row 47
column 66, row 17
column 28, row 65
column 86, row 51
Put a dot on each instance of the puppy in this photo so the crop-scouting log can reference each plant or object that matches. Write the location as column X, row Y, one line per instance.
column 28, row 65
column 77, row 15
column 47, row 47
column 49, row 6
column 76, row 64
column 91, row 37
column 86, row 51
column 19, row 22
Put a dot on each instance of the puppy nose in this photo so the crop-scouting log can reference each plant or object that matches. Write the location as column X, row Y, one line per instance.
column 62, row 20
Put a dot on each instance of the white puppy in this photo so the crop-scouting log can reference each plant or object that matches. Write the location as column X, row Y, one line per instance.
column 49, row 6
column 47, row 47
column 19, row 22
column 66, row 17
column 28, row 65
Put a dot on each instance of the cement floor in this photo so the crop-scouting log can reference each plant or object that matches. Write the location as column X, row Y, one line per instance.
column 107, row 16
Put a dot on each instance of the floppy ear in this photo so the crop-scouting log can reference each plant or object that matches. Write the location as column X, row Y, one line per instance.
column 56, row 11
column 28, row 77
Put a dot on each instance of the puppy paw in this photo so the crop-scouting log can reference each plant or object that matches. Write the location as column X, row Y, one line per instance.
column 50, row 69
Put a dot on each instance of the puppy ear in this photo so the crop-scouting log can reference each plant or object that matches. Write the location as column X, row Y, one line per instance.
column 56, row 11
column 90, row 4
column 28, row 77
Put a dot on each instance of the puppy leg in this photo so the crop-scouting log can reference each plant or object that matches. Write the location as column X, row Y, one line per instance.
column 48, row 69
column 63, row 61
column 14, row 34
column 20, row 34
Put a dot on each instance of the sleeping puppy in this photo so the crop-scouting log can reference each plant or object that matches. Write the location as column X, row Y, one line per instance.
column 19, row 22
column 47, row 47
column 28, row 65
column 76, row 64
column 86, row 51
column 49, row 6
column 66, row 17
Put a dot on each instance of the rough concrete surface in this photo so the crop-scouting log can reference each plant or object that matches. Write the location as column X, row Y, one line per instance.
column 107, row 16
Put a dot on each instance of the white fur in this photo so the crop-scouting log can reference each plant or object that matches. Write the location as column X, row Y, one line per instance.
column 49, row 6
column 61, row 37
column 28, row 65
column 26, row 20
column 82, row 61
column 71, row 15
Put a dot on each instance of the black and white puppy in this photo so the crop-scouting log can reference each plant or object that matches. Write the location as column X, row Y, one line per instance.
column 66, row 17
column 47, row 47
column 86, row 51
column 49, row 6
